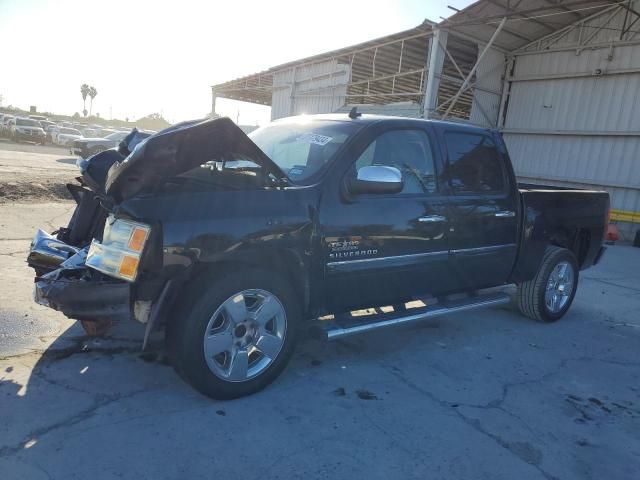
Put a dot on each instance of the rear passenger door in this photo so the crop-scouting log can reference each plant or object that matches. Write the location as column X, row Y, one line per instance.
column 482, row 210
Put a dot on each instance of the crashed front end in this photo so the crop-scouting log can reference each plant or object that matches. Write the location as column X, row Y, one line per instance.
column 106, row 264
column 91, row 283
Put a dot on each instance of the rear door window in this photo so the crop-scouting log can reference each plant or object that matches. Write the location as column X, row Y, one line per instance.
column 474, row 165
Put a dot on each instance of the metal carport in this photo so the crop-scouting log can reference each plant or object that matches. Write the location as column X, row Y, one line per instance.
column 560, row 78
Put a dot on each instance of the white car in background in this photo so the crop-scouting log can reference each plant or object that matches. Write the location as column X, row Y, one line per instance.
column 26, row 130
column 65, row 136
column 90, row 132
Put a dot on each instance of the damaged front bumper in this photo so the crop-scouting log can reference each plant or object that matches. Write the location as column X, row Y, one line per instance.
column 73, row 288
column 78, row 296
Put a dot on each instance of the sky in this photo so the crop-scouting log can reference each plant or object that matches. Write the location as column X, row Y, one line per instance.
column 158, row 56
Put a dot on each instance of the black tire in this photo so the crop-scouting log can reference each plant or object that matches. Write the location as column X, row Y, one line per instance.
column 530, row 296
column 185, row 331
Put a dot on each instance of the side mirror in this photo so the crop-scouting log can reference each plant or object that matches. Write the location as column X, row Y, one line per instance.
column 377, row 179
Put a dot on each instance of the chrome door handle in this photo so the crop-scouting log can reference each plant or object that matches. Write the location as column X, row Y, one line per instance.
column 505, row 213
column 432, row 219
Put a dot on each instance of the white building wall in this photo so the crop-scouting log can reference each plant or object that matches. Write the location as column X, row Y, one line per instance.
column 396, row 109
column 314, row 88
column 573, row 118
column 488, row 91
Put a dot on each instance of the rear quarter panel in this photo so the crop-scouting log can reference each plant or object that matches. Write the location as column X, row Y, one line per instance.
column 574, row 219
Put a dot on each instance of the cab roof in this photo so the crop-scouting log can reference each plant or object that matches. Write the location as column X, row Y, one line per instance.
column 368, row 118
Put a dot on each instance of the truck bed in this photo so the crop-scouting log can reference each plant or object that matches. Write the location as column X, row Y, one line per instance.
column 569, row 217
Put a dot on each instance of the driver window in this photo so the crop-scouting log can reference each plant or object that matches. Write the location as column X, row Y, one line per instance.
column 407, row 150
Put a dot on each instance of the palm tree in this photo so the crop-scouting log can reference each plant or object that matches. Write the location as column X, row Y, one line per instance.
column 84, row 91
column 92, row 93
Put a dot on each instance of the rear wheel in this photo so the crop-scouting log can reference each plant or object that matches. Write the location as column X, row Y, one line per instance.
column 236, row 334
column 548, row 296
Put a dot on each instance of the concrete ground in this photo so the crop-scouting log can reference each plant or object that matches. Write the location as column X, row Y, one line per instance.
column 29, row 172
column 486, row 394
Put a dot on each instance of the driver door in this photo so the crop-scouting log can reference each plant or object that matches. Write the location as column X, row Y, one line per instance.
column 385, row 248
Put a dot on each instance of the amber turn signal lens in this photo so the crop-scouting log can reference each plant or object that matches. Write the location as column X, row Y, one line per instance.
column 138, row 237
column 128, row 266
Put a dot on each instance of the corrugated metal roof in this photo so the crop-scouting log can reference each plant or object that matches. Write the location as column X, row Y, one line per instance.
column 257, row 87
column 527, row 20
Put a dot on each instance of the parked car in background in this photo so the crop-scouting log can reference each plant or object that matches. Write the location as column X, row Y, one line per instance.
column 66, row 136
column 45, row 124
column 90, row 132
column 49, row 132
column 4, row 126
column 104, row 132
column 86, row 147
column 23, row 129
column 26, row 130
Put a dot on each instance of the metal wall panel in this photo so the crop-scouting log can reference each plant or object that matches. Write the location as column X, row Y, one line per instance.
column 592, row 103
column 486, row 97
column 399, row 109
column 578, row 61
column 598, row 160
column 314, row 88
column 281, row 94
column 578, row 130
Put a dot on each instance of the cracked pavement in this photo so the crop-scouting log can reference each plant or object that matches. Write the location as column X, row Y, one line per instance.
column 486, row 394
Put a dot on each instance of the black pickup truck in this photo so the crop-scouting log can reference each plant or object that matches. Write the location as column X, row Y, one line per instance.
column 232, row 243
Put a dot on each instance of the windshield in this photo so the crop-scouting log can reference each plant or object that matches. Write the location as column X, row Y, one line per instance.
column 70, row 131
column 26, row 122
column 302, row 149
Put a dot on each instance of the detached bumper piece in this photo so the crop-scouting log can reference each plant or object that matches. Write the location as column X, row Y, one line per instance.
column 79, row 294
column 47, row 252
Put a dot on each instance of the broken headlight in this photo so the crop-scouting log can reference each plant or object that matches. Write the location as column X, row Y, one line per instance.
column 118, row 255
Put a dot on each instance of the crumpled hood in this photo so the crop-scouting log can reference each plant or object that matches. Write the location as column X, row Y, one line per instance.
column 178, row 149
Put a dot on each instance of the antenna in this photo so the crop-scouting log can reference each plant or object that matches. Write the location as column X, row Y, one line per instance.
column 354, row 113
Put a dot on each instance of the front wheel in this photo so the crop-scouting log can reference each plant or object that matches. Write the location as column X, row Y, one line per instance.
column 236, row 334
column 548, row 296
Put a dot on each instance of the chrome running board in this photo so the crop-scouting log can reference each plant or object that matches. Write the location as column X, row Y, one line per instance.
column 342, row 327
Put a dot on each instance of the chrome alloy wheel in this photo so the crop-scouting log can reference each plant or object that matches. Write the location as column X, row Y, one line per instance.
column 559, row 287
column 245, row 335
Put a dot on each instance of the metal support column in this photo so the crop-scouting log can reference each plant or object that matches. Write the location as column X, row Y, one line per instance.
column 435, row 60
column 214, row 97
column 292, row 92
